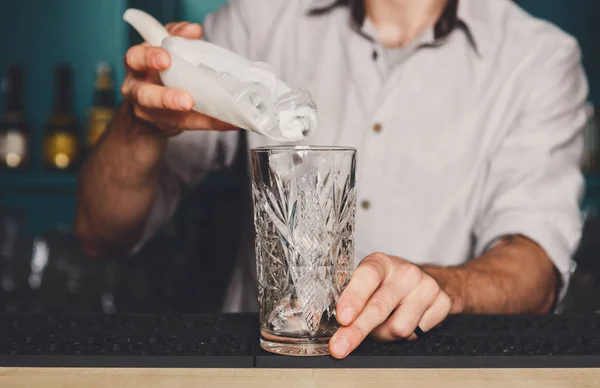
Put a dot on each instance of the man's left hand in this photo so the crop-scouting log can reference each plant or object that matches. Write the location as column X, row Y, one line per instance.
column 387, row 297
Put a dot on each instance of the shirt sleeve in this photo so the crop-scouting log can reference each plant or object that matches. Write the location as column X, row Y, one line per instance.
column 534, row 183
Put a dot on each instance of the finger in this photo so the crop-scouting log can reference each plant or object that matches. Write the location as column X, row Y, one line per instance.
column 128, row 84
column 436, row 314
column 152, row 96
column 173, row 27
column 402, row 323
column 377, row 310
column 367, row 277
column 149, row 117
column 142, row 58
column 182, row 120
column 185, row 29
column 169, row 26
column 190, row 31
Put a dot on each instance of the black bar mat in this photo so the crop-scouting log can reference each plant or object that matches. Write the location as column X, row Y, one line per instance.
column 231, row 341
column 182, row 341
column 535, row 341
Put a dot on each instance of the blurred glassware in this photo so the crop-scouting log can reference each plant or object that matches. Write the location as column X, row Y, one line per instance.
column 15, row 136
column 103, row 108
column 61, row 144
column 14, row 266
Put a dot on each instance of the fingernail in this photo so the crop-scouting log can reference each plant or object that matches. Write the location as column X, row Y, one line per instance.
column 160, row 61
column 346, row 314
column 340, row 347
column 183, row 101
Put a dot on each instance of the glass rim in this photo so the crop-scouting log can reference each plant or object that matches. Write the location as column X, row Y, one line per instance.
column 302, row 148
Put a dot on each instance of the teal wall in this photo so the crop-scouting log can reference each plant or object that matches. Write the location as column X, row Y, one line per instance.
column 39, row 34
column 580, row 18
column 195, row 10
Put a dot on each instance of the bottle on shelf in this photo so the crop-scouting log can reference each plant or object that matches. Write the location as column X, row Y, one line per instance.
column 61, row 146
column 14, row 133
column 103, row 109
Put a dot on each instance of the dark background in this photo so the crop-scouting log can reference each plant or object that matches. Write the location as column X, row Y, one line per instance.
column 185, row 269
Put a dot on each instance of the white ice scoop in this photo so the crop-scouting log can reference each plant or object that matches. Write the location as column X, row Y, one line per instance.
column 229, row 87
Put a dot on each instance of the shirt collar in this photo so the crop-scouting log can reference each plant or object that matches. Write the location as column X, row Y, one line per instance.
column 456, row 15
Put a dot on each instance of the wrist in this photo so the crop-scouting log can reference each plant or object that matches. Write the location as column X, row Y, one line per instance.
column 145, row 144
column 133, row 147
column 451, row 281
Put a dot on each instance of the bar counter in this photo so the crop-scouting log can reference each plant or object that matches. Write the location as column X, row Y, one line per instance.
column 296, row 378
column 160, row 350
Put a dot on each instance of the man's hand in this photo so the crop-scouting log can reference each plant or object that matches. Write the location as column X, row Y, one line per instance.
column 387, row 297
column 119, row 182
column 170, row 110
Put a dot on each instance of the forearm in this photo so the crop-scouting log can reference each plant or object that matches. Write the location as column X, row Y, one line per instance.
column 516, row 276
column 117, row 185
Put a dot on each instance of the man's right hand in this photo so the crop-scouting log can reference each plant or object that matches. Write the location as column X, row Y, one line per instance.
column 168, row 110
column 118, row 182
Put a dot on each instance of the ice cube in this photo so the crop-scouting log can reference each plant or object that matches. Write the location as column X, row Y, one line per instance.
column 297, row 114
column 287, row 319
column 295, row 167
column 263, row 74
column 254, row 99
column 230, row 83
column 292, row 116
column 281, row 164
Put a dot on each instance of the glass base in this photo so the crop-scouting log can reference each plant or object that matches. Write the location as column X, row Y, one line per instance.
column 302, row 347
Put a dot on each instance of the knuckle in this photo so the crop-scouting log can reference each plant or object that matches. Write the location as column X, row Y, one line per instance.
column 445, row 302
column 370, row 269
column 377, row 256
column 400, row 329
column 168, row 99
column 140, row 95
column 358, row 332
column 380, row 307
column 130, row 56
column 134, row 56
column 139, row 112
column 125, row 89
column 180, row 26
column 171, row 26
column 412, row 271
column 431, row 285
column 150, row 53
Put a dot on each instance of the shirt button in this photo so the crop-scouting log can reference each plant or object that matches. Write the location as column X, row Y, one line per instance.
column 365, row 204
column 377, row 128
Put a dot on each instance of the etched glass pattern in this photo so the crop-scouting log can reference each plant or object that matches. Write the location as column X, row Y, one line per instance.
column 304, row 207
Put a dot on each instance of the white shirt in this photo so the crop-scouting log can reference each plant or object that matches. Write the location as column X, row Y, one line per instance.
column 472, row 134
